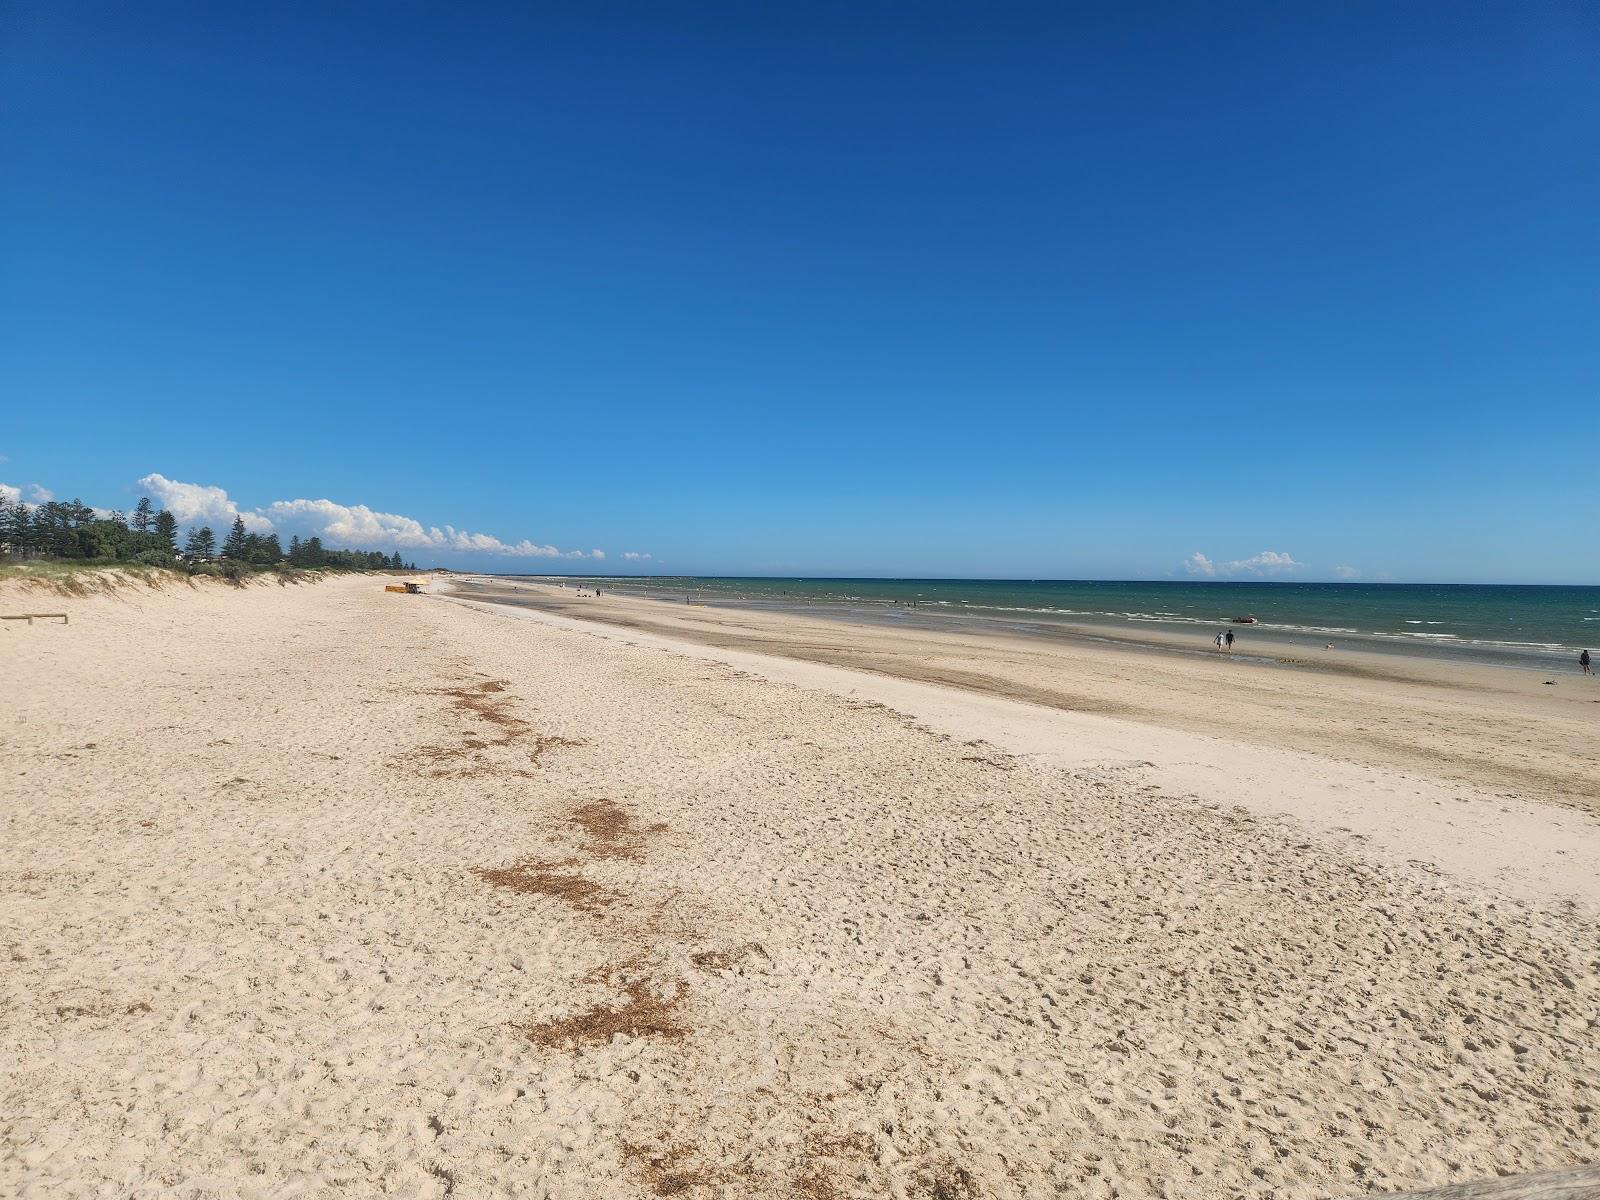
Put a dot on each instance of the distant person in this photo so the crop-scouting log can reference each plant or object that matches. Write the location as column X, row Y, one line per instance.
column 1217, row 641
column 1583, row 661
column 1230, row 641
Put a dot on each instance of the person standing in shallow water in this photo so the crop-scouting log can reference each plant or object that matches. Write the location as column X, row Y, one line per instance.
column 1229, row 640
column 1583, row 661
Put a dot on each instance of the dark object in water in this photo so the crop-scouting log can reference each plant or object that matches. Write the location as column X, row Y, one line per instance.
column 1243, row 620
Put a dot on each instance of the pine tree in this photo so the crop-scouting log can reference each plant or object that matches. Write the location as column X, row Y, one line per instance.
column 20, row 534
column 119, row 518
column 42, row 528
column 235, row 547
column 314, row 554
column 143, row 515
column 296, row 554
column 271, row 550
column 202, row 544
column 167, row 529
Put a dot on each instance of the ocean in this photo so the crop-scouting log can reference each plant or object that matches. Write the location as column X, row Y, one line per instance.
column 1537, row 627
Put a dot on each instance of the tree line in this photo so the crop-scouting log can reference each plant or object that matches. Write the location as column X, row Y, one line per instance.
column 70, row 529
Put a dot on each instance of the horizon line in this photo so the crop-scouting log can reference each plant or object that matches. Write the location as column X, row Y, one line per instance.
column 1034, row 579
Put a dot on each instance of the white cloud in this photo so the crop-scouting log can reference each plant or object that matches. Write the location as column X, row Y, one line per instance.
column 358, row 525
column 1347, row 572
column 33, row 493
column 1268, row 562
column 340, row 525
column 634, row 556
column 351, row 523
column 352, row 526
column 200, row 504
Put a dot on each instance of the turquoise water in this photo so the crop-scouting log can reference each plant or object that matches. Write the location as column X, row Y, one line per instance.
column 1519, row 625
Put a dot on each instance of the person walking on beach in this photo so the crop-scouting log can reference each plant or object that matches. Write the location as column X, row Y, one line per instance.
column 1218, row 641
column 1583, row 661
column 1229, row 640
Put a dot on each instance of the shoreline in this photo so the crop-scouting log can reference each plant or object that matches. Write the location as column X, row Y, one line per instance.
column 1491, row 728
column 1273, row 636
column 1295, row 651
column 1549, row 854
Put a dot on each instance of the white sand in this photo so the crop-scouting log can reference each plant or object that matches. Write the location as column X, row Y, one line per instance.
column 318, row 891
column 1532, row 850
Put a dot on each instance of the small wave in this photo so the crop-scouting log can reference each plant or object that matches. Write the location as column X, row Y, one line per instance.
column 1313, row 628
column 1519, row 645
column 1023, row 608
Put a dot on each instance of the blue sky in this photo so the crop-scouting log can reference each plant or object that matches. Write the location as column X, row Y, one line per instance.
column 1015, row 290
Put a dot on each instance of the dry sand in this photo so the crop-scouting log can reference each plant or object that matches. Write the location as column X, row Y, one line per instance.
column 324, row 891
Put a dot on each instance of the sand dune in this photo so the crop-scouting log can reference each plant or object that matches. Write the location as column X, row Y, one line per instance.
column 324, row 891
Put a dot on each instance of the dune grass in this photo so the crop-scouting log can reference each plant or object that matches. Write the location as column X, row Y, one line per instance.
column 90, row 576
column 85, row 577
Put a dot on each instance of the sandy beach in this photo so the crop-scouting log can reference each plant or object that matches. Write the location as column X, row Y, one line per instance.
column 317, row 890
column 1502, row 730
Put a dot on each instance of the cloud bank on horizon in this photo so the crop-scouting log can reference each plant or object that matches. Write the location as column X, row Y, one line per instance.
column 1268, row 562
column 354, row 525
